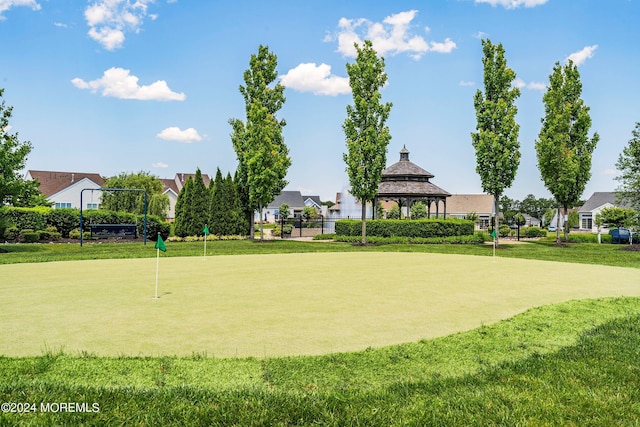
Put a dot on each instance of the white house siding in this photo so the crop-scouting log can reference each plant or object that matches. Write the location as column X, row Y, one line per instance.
column 70, row 196
column 589, row 218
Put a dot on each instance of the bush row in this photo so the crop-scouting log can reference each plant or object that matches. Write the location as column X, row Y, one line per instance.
column 424, row 228
column 65, row 220
column 589, row 238
column 466, row 239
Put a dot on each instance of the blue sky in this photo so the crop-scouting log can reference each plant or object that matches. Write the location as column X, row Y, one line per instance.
column 112, row 86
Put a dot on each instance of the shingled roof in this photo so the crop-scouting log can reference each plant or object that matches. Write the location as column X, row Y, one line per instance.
column 404, row 168
column 52, row 182
column 405, row 178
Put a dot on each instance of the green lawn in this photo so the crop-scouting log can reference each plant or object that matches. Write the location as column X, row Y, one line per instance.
column 278, row 304
column 340, row 335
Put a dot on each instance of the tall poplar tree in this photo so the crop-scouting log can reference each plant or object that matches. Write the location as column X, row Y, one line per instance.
column 258, row 142
column 496, row 140
column 366, row 133
column 563, row 147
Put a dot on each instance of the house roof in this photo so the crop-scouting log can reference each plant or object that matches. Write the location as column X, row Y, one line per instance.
column 466, row 203
column 600, row 198
column 52, row 182
column 315, row 199
column 292, row 198
column 169, row 184
column 181, row 178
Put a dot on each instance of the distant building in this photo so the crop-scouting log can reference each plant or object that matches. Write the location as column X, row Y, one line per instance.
column 296, row 201
column 461, row 205
column 63, row 188
column 592, row 207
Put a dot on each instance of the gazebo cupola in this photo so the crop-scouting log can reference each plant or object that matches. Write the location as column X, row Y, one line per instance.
column 405, row 183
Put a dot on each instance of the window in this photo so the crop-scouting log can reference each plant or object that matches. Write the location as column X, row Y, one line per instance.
column 63, row 205
column 92, row 206
column 484, row 222
column 587, row 222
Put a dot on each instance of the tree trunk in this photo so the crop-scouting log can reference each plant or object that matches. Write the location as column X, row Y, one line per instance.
column 252, row 226
column 566, row 229
column 496, row 223
column 558, row 226
column 364, row 223
column 261, row 225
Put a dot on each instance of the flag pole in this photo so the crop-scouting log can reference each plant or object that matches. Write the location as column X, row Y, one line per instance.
column 159, row 247
column 206, row 233
column 157, row 268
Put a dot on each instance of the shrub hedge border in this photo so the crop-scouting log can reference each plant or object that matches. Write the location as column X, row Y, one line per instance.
column 66, row 220
column 423, row 228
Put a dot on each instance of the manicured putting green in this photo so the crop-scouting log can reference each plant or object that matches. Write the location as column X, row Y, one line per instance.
column 273, row 305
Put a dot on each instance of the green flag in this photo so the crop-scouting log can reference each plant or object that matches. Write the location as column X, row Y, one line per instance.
column 206, row 230
column 493, row 233
column 160, row 244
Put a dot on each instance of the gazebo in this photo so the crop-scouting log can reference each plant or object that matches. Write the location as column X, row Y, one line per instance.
column 405, row 183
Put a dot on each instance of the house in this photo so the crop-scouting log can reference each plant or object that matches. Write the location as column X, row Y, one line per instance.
column 296, row 201
column 170, row 188
column 461, row 205
column 596, row 203
column 63, row 189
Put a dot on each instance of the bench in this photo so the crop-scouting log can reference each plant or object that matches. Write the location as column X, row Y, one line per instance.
column 619, row 235
column 104, row 231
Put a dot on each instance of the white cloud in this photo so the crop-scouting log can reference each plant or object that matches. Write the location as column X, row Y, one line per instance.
column 119, row 83
column 519, row 83
column 7, row 129
column 389, row 37
column 465, row 84
column 536, row 86
column 317, row 79
column 480, row 35
column 8, row 4
column 161, row 165
column 109, row 20
column 445, row 47
column 581, row 56
column 609, row 172
column 60, row 25
column 513, row 4
column 175, row 134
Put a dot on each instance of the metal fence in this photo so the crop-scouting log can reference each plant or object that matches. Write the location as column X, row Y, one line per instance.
column 311, row 227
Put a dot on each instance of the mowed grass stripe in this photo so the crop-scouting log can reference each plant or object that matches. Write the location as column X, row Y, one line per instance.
column 277, row 304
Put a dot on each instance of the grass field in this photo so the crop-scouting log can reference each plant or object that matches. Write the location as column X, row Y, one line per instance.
column 375, row 348
column 277, row 304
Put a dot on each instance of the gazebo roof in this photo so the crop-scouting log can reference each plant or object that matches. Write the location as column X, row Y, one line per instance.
column 410, row 188
column 404, row 168
column 406, row 179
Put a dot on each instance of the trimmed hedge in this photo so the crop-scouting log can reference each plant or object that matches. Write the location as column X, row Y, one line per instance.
column 424, row 228
column 65, row 220
column 477, row 238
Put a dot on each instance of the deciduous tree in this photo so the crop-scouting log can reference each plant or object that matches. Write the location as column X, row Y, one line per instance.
column 262, row 154
column 563, row 147
column 157, row 203
column 366, row 133
column 496, row 140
